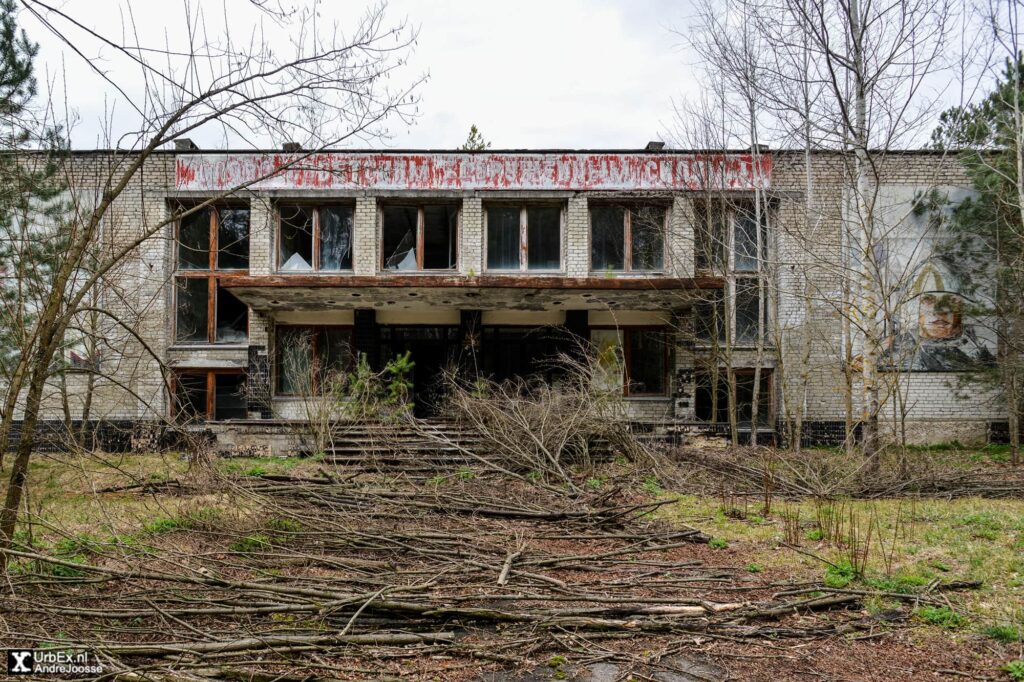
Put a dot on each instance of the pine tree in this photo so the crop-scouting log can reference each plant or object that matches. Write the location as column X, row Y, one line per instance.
column 475, row 142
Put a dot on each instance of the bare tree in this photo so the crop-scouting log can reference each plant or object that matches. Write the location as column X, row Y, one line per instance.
column 328, row 87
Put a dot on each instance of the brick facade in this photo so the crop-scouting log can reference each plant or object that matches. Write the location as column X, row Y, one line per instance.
column 805, row 332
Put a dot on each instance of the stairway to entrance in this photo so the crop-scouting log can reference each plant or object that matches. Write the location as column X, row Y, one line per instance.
column 420, row 445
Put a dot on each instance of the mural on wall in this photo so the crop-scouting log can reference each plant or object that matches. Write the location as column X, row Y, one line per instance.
column 933, row 325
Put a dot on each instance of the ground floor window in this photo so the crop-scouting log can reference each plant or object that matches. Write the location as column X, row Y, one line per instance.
column 636, row 358
column 308, row 356
column 711, row 400
column 510, row 352
column 205, row 395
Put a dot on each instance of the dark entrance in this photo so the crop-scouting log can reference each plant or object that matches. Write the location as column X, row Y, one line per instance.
column 508, row 352
column 432, row 349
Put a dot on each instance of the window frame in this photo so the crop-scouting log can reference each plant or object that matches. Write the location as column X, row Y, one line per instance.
column 524, row 235
column 767, row 377
column 212, row 274
column 211, row 374
column 731, row 210
column 315, row 330
column 627, row 234
column 627, row 355
column 420, row 235
column 316, row 208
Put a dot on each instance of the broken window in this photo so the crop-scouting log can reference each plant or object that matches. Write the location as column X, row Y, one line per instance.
column 201, row 395
column 419, row 237
column 334, row 232
column 232, row 318
column 315, row 238
column 306, row 357
column 627, row 239
column 232, row 239
column 192, row 321
column 194, row 241
column 748, row 310
column 635, row 358
column 524, row 238
column 296, row 241
column 210, row 242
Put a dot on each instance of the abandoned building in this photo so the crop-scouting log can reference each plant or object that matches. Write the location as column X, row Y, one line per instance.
column 502, row 258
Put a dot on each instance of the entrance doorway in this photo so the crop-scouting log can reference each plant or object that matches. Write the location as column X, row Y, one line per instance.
column 432, row 349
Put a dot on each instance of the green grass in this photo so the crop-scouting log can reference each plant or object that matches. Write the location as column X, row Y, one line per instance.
column 1007, row 634
column 1015, row 669
column 941, row 616
column 718, row 543
column 968, row 539
column 250, row 543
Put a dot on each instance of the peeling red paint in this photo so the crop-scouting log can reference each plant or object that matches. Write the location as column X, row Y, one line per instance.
column 456, row 171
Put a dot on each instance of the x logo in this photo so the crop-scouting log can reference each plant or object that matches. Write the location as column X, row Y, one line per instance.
column 18, row 660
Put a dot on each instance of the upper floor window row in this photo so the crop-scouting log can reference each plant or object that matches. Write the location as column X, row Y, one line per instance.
column 214, row 238
column 627, row 238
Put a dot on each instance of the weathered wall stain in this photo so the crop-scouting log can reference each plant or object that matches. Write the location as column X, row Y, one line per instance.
column 454, row 171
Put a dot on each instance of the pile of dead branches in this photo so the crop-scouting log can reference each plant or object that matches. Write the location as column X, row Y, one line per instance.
column 755, row 471
column 372, row 577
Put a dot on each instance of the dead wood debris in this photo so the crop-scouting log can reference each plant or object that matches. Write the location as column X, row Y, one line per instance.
column 382, row 578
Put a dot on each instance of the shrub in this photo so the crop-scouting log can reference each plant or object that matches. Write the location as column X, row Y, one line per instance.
column 717, row 543
column 839, row 575
column 1015, row 669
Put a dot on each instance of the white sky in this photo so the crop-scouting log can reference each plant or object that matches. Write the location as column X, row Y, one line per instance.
column 531, row 73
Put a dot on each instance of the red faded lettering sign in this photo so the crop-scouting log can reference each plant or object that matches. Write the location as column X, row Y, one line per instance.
column 460, row 171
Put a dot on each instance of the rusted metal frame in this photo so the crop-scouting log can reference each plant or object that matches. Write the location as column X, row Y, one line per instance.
column 495, row 281
column 211, row 392
column 420, row 228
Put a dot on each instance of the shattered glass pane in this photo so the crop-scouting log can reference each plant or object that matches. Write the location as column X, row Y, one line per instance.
column 296, row 239
column 398, row 235
column 336, row 238
column 232, row 318
column 233, row 239
column 194, row 241
column 191, row 297
column 503, row 238
column 607, row 238
column 544, row 238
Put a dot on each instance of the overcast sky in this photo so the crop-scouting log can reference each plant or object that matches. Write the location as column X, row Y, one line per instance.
column 532, row 73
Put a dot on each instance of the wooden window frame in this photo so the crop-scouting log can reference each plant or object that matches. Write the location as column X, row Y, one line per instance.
column 211, row 388
column 524, row 235
column 316, row 208
column 315, row 329
column 212, row 275
column 627, row 235
column 420, row 235
column 627, row 351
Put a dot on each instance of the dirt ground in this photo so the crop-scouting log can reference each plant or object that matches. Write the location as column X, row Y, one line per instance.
column 468, row 575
